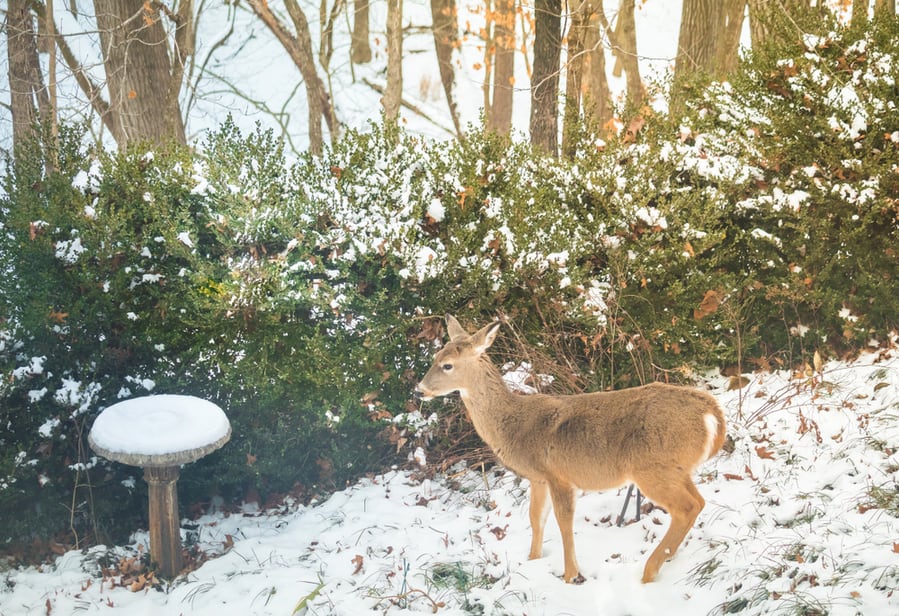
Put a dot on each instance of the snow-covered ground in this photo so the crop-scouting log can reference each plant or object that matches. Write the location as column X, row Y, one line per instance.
column 800, row 519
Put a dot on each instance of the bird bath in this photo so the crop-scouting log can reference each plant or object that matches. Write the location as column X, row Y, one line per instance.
column 160, row 433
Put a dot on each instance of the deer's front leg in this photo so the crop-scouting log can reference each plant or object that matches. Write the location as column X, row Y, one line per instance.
column 563, row 504
column 538, row 511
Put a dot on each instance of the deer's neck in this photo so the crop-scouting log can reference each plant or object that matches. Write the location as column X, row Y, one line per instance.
column 488, row 402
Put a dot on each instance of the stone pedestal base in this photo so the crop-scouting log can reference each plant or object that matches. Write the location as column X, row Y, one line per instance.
column 165, row 528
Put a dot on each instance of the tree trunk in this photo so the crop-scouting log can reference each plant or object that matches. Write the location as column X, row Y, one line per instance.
column 709, row 37
column 28, row 97
column 328, row 20
column 885, row 8
column 299, row 48
column 729, row 38
column 708, row 42
column 360, row 47
column 577, row 35
column 597, row 103
column 446, row 37
column 697, row 43
column 624, row 44
column 776, row 19
column 393, row 93
column 859, row 13
column 499, row 120
column 545, row 76
column 138, row 69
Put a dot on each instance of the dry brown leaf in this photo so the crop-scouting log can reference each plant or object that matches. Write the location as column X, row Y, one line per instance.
column 763, row 453
column 710, row 303
column 358, row 561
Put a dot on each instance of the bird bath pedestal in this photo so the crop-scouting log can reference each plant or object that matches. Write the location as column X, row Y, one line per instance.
column 159, row 434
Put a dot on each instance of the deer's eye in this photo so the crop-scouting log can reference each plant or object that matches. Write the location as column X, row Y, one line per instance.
column 447, row 367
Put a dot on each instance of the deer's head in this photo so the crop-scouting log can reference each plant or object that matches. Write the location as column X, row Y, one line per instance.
column 457, row 365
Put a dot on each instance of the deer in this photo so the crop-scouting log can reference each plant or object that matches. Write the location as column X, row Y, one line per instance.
column 653, row 436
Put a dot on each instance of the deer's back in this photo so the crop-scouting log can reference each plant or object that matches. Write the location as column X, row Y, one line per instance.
column 603, row 438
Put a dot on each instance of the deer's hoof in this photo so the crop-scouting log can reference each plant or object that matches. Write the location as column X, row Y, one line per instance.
column 577, row 579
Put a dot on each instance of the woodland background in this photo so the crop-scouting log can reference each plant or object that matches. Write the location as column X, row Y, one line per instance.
column 740, row 215
column 136, row 70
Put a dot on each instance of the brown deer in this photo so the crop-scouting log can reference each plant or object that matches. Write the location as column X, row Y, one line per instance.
column 653, row 436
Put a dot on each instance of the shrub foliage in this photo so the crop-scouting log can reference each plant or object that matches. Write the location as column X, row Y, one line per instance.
column 304, row 296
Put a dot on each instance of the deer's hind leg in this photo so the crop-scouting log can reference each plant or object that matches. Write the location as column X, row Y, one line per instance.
column 677, row 494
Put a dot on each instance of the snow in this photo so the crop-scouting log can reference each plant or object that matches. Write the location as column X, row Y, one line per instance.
column 790, row 520
column 159, row 424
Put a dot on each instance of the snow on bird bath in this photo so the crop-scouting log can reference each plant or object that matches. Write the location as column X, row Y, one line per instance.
column 175, row 428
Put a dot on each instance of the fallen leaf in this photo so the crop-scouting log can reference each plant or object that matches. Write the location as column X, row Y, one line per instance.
column 763, row 453
column 499, row 532
column 732, row 477
column 357, row 560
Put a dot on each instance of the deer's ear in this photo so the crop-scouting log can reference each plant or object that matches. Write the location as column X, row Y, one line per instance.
column 482, row 340
column 454, row 329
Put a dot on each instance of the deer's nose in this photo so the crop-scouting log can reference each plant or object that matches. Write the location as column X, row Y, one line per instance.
column 419, row 394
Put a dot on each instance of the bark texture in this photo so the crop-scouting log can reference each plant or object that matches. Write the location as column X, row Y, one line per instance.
column 28, row 98
column 393, row 93
column 545, row 76
column 499, row 118
column 446, row 38
column 143, row 101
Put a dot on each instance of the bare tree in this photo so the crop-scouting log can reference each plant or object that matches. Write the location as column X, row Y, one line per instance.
column 139, row 71
column 709, row 36
column 299, row 48
column 327, row 21
column 859, row 13
column 623, row 39
column 885, row 8
column 776, row 19
column 597, row 103
column 29, row 100
column 446, row 38
column 587, row 88
column 545, row 76
column 733, row 13
column 393, row 93
column 360, row 47
column 574, row 71
column 499, row 112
